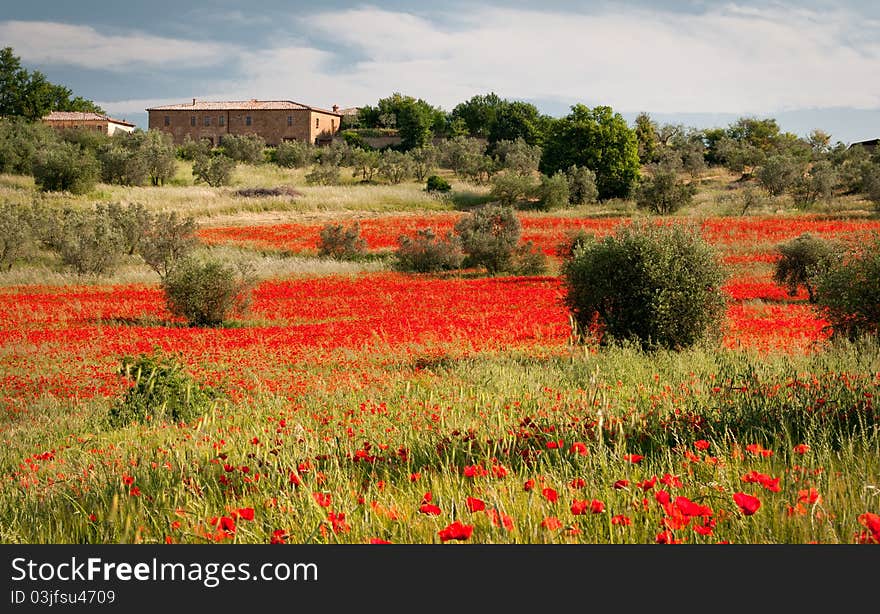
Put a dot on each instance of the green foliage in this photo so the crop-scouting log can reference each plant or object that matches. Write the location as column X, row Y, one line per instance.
column 216, row 170
column 517, row 156
column 581, row 185
column 662, row 192
column 779, row 173
column 293, row 154
column 342, row 243
column 324, row 173
column 598, row 139
column 168, row 240
column 848, row 290
column 509, row 188
column 161, row 391
column 646, row 137
column 366, row 163
column 157, row 149
column 436, row 183
column 20, row 141
column 206, row 291
column 64, row 167
column 871, row 184
column 817, row 184
column 489, row 236
column 132, row 222
column 801, row 259
column 428, row 253
column 248, row 148
column 394, row 166
column 464, row 156
column 658, row 286
column 553, row 192
column 88, row 242
column 424, row 160
column 417, row 121
column 30, row 95
column 16, row 234
column 528, row 259
column 572, row 242
column 193, row 150
column 121, row 163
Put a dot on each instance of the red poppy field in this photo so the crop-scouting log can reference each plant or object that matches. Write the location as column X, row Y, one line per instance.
column 387, row 407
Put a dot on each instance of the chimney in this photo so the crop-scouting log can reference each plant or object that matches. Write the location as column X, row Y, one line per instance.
column 194, row 102
column 335, row 108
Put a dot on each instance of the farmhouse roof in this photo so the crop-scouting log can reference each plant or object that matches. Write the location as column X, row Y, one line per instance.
column 240, row 105
column 80, row 116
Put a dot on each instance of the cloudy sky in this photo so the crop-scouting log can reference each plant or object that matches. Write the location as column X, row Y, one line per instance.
column 812, row 64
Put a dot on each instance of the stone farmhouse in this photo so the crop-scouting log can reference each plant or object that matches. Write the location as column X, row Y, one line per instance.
column 274, row 120
column 91, row 121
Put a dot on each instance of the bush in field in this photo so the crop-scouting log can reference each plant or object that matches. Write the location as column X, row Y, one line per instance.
column 293, row 154
column 20, row 141
column 656, row 285
column 394, row 166
column 871, row 184
column 581, row 185
column 89, row 243
column 366, row 164
column 553, row 192
column 132, row 222
column 817, row 184
column 509, row 188
column 848, row 290
column 517, row 156
column 801, row 260
column 779, row 173
column 157, row 149
column 662, row 193
column 168, row 240
column 341, row 243
column 424, row 160
column 192, row 150
column 436, row 183
column 64, row 167
column 207, row 291
column 573, row 240
column 16, row 234
column 528, row 259
column 249, row 148
column 213, row 170
column 121, row 164
column 489, row 236
column 428, row 253
column 162, row 391
column 325, row 173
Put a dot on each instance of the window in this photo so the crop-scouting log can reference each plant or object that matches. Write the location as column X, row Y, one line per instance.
column 207, row 120
column 317, row 122
column 167, row 120
column 221, row 120
column 192, row 120
column 290, row 120
column 247, row 120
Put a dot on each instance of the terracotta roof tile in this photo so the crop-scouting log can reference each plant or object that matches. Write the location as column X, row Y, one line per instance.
column 80, row 116
column 239, row 105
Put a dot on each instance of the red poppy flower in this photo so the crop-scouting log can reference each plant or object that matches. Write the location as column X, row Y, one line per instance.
column 754, row 477
column 701, row 444
column 662, row 497
column 529, row 485
column 647, row 485
column 747, row 503
column 872, row 523
column 278, row 536
column 801, row 448
column 597, row 507
column 294, row 479
column 135, row 491
column 414, row 477
column 376, row 540
column 689, row 508
column 704, row 530
column 758, row 450
column 429, row 509
column 673, row 481
column 498, row 519
column 551, row 523
column 633, row 458
column 579, row 448
column 456, row 531
column 427, row 497
column 621, row 484
column 322, row 499
column 810, row 496
column 553, row 445
column 475, row 471
column 499, row 471
column 577, row 483
column 127, row 480
column 621, row 520
column 666, row 537
column 338, row 523
column 245, row 513
column 579, row 507
column 550, row 494
column 475, row 505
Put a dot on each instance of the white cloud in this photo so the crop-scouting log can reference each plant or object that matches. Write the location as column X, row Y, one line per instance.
column 46, row 42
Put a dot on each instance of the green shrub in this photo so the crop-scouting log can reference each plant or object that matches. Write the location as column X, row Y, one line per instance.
column 249, row 148
column 656, row 285
column 16, row 234
column 213, row 170
column 394, row 166
column 436, row 183
column 572, row 241
column 801, row 259
column 817, row 184
column 168, row 240
column 88, row 242
column 509, row 188
column 553, row 192
column 528, row 259
column 871, row 184
column 193, row 150
column 662, row 193
column 848, row 290
column 325, row 173
column 20, row 142
column 293, row 154
column 161, row 391
column 428, row 253
column 64, row 167
column 779, row 173
column 488, row 237
column 341, row 243
column 132, row 222
column 206, row 292
column 581, row 185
